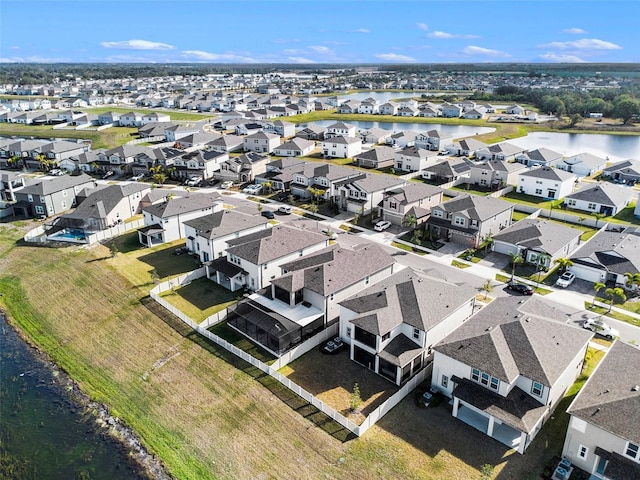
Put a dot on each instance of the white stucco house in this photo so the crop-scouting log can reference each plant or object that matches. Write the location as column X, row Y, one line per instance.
column 341, row 147
column 546, row 182
column 605, row 198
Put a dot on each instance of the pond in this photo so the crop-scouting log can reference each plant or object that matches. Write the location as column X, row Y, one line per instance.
column 455, row 131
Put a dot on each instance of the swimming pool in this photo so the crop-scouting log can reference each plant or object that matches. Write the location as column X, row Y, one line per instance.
column 69, row 235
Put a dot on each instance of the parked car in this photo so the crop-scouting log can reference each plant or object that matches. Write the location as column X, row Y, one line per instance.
column 252, row 189
column 56, row 172
column 600, row 328
column 565, row 279
column 285, row 210
column 108, row 174
column 137, row 178
column 194, row 181
column 520, row 288
column 227, row 184
column 214, row 181
column 382, row 225
column 268, row 214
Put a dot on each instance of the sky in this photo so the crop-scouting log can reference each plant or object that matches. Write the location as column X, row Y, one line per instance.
column 318, row 31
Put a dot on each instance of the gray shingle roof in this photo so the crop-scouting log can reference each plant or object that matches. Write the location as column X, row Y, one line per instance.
column 179, row 205
column 478, row 208
column 548, row 173
column 608, row 399
column 536, row 234
column 223, row 223
column 102, row 201
column 505, row 342
column 57, row 184
column 617, row 252
column 603, row 194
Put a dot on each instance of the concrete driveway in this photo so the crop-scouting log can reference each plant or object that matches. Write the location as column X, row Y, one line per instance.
column 496, row 260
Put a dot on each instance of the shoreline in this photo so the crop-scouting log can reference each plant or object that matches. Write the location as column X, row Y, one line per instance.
column 107, row 425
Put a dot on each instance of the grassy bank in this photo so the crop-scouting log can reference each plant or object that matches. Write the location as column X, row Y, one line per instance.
column 109, row 138
column 173, row 113
column 206, row 414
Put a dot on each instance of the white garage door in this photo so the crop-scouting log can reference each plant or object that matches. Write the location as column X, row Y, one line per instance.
column 504, row 248
column 589, row 274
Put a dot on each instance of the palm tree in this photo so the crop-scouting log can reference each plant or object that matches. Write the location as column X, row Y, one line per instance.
column 597, row 286
column 563, row 263
column 417, row 237
column 632, row 278
column 598, row 217
column 516, row 257
column 268, row 186
column 316, row 193
column 487, row 288
column 615, row 293
column 554, row 204
column 410, row 221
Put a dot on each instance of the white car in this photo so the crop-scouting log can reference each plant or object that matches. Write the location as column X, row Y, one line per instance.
column 285, row 210
column 380, row 226
column 194, row 181
column 565, row 279
column 600, row 328
column 252, row 189
column 56, row 172
column 137, row 178
column 227, row 184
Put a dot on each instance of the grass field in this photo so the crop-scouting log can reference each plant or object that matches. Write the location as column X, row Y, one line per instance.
column 206, row 414
column 174, row 114
column 109, row 138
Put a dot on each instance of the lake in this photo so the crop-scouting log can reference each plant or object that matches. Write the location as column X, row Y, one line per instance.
column 43, row 434
column 455, row 131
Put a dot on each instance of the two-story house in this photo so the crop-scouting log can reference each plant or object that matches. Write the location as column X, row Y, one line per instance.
column 364, row 194
column 325, row 178
column 494, row 174
column 448, row 170
column 227, row 143
column 546, row 182
column 50, row 196
column 414, row 159
column 412, row 199
column 207, row 236
column 339, row 146
column 507, row 367
column 119, row 159
column 432, row 140
column 305, row 298
column 582, row 165
column 280, row 172
column 340, row 129
column 470, row 219
column 10, row 182
column 504, row 151
column 296, row 147
column 391, row 326
column 603, row 437
column 164, row 221
column 604, row 198
column 130, row 119
column 539, row 156
column 243, row 168
column 379, row 157
column 263, row 142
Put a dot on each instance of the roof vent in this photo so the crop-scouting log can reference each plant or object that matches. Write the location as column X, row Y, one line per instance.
column 635, row 388
column 596, row 411
column 488, row 329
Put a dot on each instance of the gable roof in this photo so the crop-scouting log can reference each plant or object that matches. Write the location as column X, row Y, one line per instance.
column 536, row 234
column 617, row 252
column 587, row 159
column 478, row 208
column 603, row 194
column 102, row 200
column 379, row 154
column 630, row 166
column 179, row 205
column 548, row 173
column 418, row 299
column 541, row 155
column 223, row 223
column 451, row 167
column 610, row 399
column 412, row 192
column 506, row 341
column 56, row 184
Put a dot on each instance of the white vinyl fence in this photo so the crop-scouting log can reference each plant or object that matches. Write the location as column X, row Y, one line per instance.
column 272, row 370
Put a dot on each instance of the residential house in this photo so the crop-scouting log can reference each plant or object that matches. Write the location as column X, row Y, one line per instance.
column 153, row 129
column 374, row 135
column 60, row 149
column 603, row 198
column 119, row 159
column 431, row 140
column 349, row 107
column 582, row 165
column 467, row 147
column 257, row 257
column 197, row 140
column 414, row 159
column 470, row 219
column 448, row 170
column 402, row 139
column 495, row 174
column 155, row 117
column 324, row 178
column 368, row 107
column 280, row 172
column 227, row 143
column 207, row 236
column 379, row 157
column 101, row 207
column 341, row 146
column 627, row 171
column 263, row 142
column 546, row 182
column 364, row 194
column 514, row 110
column 391, row 326
column 603, row 438
column 474, row 114
column 607, row 256
column 413, row 199
column 303, row 300
column 130, row 119
column 540, row 242
column 281, row 128
column 164, row 221
column 407, row 111
column 243, row 168
column 450, row 110
column 174, row 133
column 296, row 147
column 504, row 151
column 9, row 183
column 312, row 132
column 507, row 367
column 198, row 163
column 50, row 196
column 108, row 118
column 340, row 129
column 539, row 156
column 388, row 108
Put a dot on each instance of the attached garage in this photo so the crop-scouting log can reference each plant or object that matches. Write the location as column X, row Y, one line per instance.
column 505, row 248
column 589, row 273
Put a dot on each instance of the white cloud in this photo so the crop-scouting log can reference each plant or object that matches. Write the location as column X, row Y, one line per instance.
column 301, row 60
column 34, row 59
column 320, row 49
column 487, row 52
column 560, row 58
column 360, row 30
column 422, row 26
column 583, row 44
column 217, row 57
column 574, row 31
column 137, row 45
column 292, row 51
column 446, row 35
column 394, row 57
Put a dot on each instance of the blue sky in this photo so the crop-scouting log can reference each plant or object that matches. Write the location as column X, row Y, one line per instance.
column 303, row 31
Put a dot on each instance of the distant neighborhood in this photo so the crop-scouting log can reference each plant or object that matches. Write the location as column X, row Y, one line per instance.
column 307, row 223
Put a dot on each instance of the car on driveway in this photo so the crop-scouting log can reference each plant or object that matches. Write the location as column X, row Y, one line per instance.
column 380, row 226
column 252, row 189
column 194, row 181
column 600, row 328
column 268, row 214
column 137, row 178
column 522, row 288
column 565, row 279
column 285, row 210
column 227, row 184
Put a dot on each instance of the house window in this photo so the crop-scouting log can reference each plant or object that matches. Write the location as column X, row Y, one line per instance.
column 494, row 383
column 583, row 452
column 416, row 333
column 349, row 332
column 366, row 280
column 474, row 223
column 437, row 213
column 30, row 198
column 386, row 336
column 632, row 450
column 538, row 191
column 591, row 206
column 475, row 374
column 539, row 182
column 484, row 378
column 39, row 210
column 458, row 221
column 63, row 204
column 536, row 389
column 393, row 205
column 445, row 381
column 41, row 199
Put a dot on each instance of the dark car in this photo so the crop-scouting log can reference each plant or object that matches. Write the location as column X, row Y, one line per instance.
column 520, row 288
column 268, row 214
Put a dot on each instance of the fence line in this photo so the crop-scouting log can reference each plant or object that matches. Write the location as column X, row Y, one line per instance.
column 272, row 370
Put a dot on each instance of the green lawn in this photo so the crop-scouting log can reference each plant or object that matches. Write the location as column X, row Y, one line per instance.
column 630, row 306
column 109, row 138
column 174, row 114
column 243, row 343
